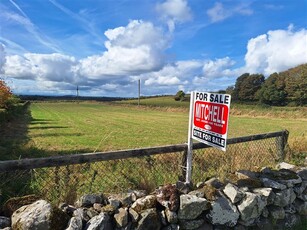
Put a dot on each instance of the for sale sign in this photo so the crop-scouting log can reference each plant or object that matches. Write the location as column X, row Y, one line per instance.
column 210, row 113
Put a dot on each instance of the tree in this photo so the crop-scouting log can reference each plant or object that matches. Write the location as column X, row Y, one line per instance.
column 273, row 91
column 247, row 86
column 180, row 95
column 5, row 95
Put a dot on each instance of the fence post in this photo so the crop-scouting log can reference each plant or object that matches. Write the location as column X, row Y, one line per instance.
column 281, row 142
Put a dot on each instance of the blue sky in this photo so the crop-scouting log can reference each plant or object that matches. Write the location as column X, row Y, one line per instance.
column 105, row 46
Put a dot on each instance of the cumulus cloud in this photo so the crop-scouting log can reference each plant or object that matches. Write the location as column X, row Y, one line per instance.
column 174, row 11
column 131, row 50
column 218, row 68
column 219, row 12
column 49, row 67
column 276, row 51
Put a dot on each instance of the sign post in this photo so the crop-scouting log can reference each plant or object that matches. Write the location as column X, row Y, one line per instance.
column 208, row 122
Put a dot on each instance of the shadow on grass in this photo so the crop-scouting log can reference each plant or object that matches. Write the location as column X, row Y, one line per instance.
column 15, row 144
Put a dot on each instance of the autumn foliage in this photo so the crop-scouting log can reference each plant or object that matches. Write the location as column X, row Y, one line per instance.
column 5, row 94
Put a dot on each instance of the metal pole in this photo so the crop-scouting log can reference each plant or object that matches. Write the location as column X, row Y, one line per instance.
column 190, row 142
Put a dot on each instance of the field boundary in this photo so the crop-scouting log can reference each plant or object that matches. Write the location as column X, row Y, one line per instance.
column 34, row 163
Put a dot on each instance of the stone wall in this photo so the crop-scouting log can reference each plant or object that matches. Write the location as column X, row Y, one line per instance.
column 270, row 199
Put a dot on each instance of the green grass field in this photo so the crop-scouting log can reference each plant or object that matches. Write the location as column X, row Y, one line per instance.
column 58, row 128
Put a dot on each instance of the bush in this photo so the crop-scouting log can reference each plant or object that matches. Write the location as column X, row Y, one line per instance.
column 5, row 95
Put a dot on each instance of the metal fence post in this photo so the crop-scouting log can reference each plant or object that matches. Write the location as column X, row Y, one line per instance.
column 281, row 142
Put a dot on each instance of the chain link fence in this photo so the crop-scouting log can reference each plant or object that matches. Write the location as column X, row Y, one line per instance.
column 63, row 179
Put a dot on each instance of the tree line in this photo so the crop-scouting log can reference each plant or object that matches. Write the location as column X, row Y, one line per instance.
column 279, row 89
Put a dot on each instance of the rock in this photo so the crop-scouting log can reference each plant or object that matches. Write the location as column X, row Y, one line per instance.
column 12, row 204
column 266, row 194
column 272, row 184
column 114, row 202
column 210, row 192
column 136, row 194
column 191, row 224
column 214, row 182
column 121, row 218
column 265, row 224
column 223, row 212
column 303, row 173
column 171, row 216
column 284, row 176
column 100, row 222
column 68, row 209
column 149, row 220
column 284, row 197
column 88, row 200
column 109, row 209
column 292, row 221
column 276, row 212
column 4, row 222
column 171, row 227
column 122, row 199
column 290, row 209
column 97, row 207
column 284, row 165
column 39, row 215
column 246, row 174
column 82, row 213
column 249, row 182
column 162, row 217
column 199, row 193
column 233, row 193
column 200, row 184
column 265, row 212
column 75, row 223
column 134, row 216
column 168, row 196
column 300, row 188
column 91, row 212
column 191, row 207
column 251, row 207
column 146, row 202
column 300, row 206
column 183, row 187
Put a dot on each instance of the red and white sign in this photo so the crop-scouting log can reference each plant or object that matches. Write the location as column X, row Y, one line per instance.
column 210, row 118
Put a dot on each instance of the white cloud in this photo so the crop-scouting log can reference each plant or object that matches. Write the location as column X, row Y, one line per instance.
column 49, row 67
column 174, row 11
column 276, row 51
column 2, row 58
column 218, row 68
column 131, row 50
column 219, row 12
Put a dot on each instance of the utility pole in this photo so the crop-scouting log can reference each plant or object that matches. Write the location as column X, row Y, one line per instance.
column 78, row 94
column 139, row 91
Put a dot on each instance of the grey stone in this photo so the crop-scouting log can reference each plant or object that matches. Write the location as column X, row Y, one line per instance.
column 233, row 193
column 291, row 221
column 82, row 213
column 303, row 173
column 191, row 224
column 183, row 187
column 214, row 182
column 290, row 209
column 114, row 202
column 284, row 197
column 199, row 193
column 265, row 212
column 299, row 189
column 301, row 206
column 7, row 228
column 266, row 194
column 34, row 216
column 200, row 184
column 75, row 223
column 171, row 216
column 191, row 207
column 5, row 222
column 100, row 222
column 162, row 217
column 223, row 212
column 276, row 212
column 143, row 203
column 284, row 165
column 251, row 207
column 124, row 199
column 88, row 200
column 272, row 184
column 171, row 227
column 136, row 194
column 149, row 220
column 245, row 174
column 133, row 215
column 121, row 218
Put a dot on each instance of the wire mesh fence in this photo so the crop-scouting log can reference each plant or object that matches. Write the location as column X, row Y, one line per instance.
column 66, row 179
